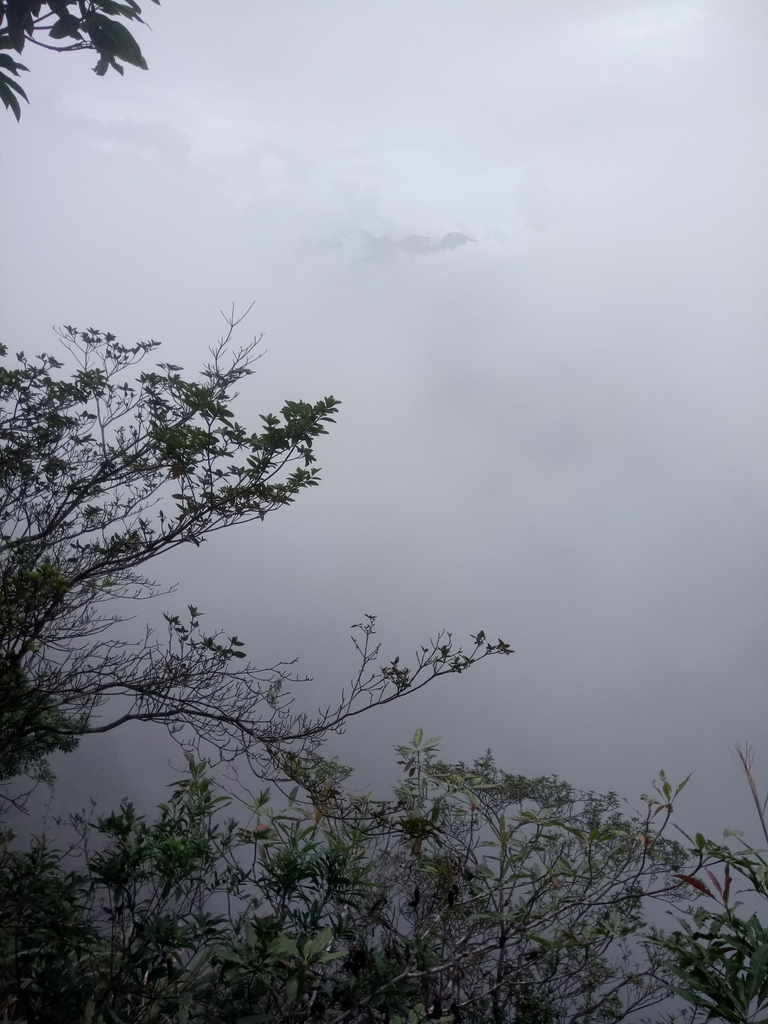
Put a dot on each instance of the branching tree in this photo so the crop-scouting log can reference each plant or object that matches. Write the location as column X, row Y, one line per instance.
column 100, row 474
column 65, row 26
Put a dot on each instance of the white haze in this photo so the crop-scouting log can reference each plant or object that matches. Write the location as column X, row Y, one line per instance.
column 555, row 431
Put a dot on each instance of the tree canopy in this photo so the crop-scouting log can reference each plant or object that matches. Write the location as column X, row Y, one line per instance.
column 101, row 474
column 470, row 897
column 65, row 26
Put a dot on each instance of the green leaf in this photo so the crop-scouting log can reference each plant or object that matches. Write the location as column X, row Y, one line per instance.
column 284, row 946
column 11, row 65
column 113, row 39
column 682, row 785
column 8, row 91
column 317, row 944
column 67, row 27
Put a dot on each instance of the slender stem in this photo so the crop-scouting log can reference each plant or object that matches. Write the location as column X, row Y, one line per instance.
column 746, row 758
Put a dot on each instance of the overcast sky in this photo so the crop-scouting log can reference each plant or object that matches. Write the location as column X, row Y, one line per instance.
column 525, row 242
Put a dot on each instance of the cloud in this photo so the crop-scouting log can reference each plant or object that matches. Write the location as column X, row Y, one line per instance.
column 137, row 139
column 541, row 207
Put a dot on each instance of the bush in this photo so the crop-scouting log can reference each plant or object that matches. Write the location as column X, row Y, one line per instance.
column 472, row 895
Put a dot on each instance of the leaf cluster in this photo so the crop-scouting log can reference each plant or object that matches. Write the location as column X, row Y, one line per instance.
column 102, row 471
column 66, row 25
column 720, row 957
column 470, row 896
column 99, row 474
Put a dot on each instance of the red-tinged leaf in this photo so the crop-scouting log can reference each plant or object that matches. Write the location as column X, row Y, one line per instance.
column 417, row 845
column 696, row 883
column 557, row 884
column 714, row 881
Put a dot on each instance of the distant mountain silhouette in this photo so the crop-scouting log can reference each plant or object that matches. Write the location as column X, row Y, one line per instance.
column 384, row 248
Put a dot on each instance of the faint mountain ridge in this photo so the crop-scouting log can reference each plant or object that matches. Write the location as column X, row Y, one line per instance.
column 383, row 248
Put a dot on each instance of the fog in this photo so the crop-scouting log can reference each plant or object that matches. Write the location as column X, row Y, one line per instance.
column 526, row 244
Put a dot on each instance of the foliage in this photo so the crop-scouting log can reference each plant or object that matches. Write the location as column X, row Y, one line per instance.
column 471, row 896
column 722, row 965
column 507, row 898
column 67, row 25
column 100, row 474
column 721, row 957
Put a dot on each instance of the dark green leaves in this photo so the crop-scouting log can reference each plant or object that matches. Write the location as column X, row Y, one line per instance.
column 66, row 25
column 722, row 966
column 99, row 474
column 10, row 90
column 112, row 40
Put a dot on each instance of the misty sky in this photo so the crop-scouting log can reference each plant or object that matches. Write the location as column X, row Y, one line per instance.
column 525, row 242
